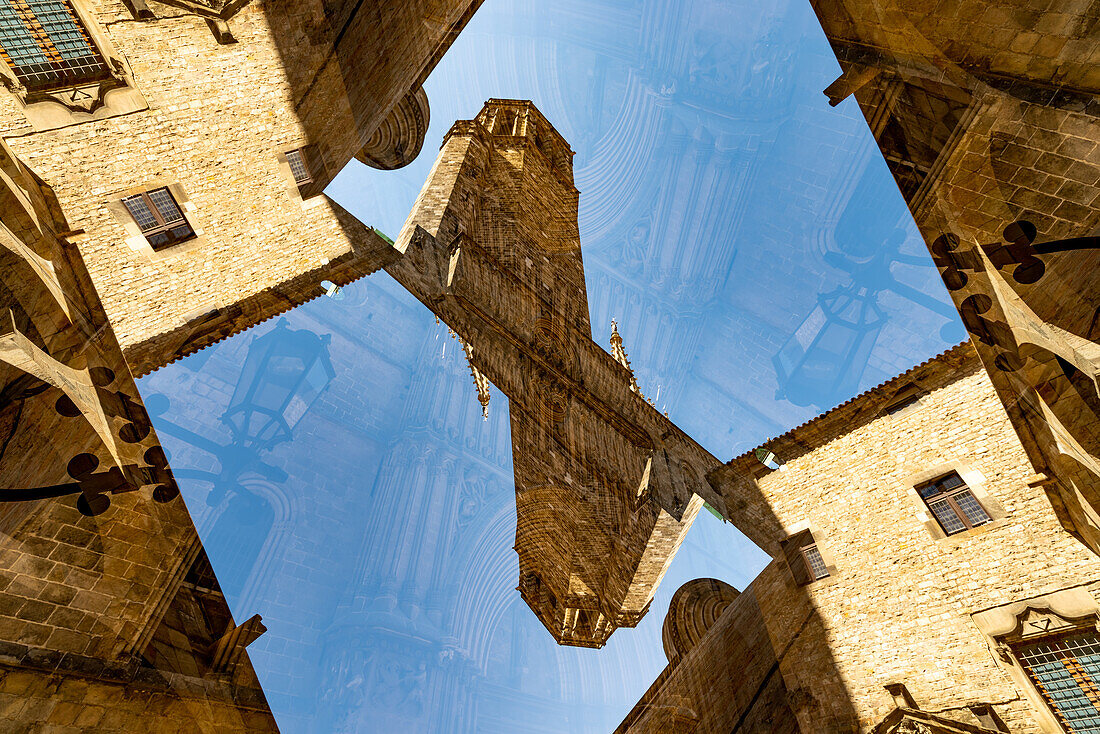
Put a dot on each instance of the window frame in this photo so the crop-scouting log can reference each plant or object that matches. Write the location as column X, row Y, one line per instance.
column 795, row 548
column 309, row 155
column 1041, row 688
column 299, row 155
column 61, row 78
column 805, row 552
column 948, row 496
column 1031, row 619
column 163, row 226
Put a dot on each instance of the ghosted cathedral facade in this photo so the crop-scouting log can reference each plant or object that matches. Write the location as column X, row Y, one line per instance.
column 934, row 541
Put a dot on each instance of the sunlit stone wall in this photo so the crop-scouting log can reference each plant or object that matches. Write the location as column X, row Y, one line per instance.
column 216, row 122
column 903, row 602
column 985, row 123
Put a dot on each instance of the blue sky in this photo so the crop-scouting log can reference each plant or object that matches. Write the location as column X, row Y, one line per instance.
column 761, row 264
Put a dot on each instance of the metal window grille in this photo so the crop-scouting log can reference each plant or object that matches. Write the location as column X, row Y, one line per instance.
column 299, row 167
column 952, row 503
column 159, row 217
column 1066, row 671
column 814, row 562
column 46, row 45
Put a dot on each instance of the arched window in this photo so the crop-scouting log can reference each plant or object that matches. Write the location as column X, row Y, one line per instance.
column 47, row 46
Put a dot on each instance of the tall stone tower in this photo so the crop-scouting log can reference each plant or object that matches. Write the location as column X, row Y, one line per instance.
column 606, row 486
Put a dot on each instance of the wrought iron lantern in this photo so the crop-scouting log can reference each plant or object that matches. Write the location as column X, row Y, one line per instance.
column 828, row 352
column 285, row 371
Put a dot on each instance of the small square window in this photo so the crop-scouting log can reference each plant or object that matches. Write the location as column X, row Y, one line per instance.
column 308, row 170
column 954, row 506
column 299, row 167
column 160, row 218
column 814, row 562
column 804, row 558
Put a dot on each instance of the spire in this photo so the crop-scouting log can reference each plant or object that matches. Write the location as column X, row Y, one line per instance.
column 619, row 353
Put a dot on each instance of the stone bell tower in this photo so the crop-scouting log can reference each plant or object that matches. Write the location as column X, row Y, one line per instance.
column 606, row 486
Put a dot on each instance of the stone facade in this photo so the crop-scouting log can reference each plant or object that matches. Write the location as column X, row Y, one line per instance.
column 986, row 116
column 110, row 608
column 111, row 617
column 985, row 124
column 903, row 603
column 217, row 119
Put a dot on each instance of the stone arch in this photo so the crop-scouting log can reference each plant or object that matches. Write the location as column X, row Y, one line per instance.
column 694, row 608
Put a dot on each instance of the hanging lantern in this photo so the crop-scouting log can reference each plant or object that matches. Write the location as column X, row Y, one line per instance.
column 824, row 359
column 286, row 370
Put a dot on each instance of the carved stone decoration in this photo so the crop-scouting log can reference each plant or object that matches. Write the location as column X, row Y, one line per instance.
column 912, row 727
column 86, row 98
column 1040, row 621
column 66, row 396
column 908, row 721
column 694, row 608
column 399, row 138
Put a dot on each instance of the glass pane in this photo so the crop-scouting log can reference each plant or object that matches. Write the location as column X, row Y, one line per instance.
column 140, row 212
column 970, row 506
column 61, row 25
column 46, row 44
column 158, row 239
column 815, row 561
column 1066, row 672
column 945, row 515
column 182, row 232
column 16, row 40
column 298, row 166
column 929, row 490
column 166, row 205
column 951, row 481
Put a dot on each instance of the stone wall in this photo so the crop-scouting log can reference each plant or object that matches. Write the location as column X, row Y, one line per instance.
column 109, row 610
column 218, row 117
column 986, row 123
column 902, row 601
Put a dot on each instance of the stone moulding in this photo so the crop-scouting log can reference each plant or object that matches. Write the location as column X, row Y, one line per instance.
column 400, row 137
column 213, row 9
column 914, row 721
